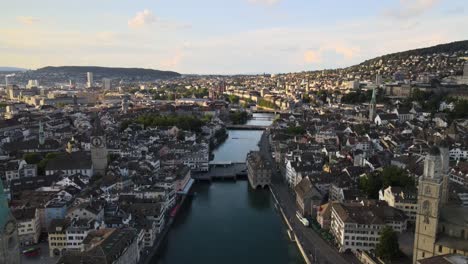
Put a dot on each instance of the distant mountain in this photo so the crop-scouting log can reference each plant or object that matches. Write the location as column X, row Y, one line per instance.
column 11, row 69
column 110, row 72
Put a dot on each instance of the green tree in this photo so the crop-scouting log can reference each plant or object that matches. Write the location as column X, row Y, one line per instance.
column 388, row 248
column 371, row 185
column 296, row 130
column 32, row 158
column 395, row 176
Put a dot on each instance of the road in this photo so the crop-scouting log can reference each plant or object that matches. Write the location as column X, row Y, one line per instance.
column 318, row 249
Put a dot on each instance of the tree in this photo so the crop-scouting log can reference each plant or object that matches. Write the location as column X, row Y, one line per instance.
column 32, row 158
column 296, row 130
column 394, row 176
column 371, row 185
column 388, row 248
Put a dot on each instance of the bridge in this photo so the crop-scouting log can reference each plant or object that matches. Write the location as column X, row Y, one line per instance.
column 262, row 118
column 223, row 171
column 246, row 127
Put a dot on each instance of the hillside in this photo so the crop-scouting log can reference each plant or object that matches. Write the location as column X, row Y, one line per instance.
column 110, row 72
column 440, row 60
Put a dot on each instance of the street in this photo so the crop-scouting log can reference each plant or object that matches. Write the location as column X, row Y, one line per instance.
column 317, row 248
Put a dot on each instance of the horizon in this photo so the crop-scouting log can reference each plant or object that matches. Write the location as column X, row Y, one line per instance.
column 236, row 37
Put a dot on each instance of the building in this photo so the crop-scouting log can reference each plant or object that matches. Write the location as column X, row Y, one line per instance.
column 441, row 227
column 98, row 148
column 405, row 200
column 9, row 246
column 29, row 228
column 90, row 79
column 58, row 237
column 444, row 259
column 116, row 246
column 372, row 105
column 106, row 83
column 258, row 170
column 69, row 164
column 357, row 226
column 308, row 198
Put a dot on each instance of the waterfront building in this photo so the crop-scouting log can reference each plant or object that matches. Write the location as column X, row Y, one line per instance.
column 441, row 227
column 117, row 246
column 308, row 197
column 258, row 170
column 357, row 226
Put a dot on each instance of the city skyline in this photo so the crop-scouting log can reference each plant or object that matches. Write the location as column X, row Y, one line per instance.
column 232, row 37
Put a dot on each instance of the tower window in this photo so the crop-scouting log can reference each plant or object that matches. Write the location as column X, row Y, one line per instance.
column 440, row 248
column 462, row 233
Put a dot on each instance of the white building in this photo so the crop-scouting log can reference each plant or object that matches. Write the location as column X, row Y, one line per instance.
column 90, row 79
column 405, row 200
column 106, row 83
column 357, row 227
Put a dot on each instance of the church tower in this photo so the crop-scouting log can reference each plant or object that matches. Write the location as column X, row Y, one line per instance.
column 432, row 193
column 98, row 148
column 9, row 247
column 372, row 105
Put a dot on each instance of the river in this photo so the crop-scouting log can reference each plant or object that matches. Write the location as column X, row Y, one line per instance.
column 228, row 222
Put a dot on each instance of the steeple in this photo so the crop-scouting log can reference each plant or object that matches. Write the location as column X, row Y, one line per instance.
column 41, row 134
column 97, row 127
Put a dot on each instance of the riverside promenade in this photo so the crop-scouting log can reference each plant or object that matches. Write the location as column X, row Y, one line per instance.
column 316, row 248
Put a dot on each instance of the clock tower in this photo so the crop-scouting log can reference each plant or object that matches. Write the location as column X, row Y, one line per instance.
column 431, row 196
column 98, row 148
column 9, row 247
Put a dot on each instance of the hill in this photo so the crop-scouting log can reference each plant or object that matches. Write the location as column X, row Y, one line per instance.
column 110, row 72
column 11, row 69
column 440, row 60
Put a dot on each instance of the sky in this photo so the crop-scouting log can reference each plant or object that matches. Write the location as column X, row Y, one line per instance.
column 222, row 36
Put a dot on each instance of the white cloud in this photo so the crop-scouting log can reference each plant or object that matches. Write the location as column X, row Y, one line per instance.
column 411, row 8
column 264, row 2
column 27, row 20
column 142, row 19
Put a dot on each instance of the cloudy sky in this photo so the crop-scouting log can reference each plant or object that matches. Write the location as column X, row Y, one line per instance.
column 222, row 36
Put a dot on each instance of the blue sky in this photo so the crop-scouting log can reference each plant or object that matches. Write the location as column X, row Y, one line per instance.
column 222, row 36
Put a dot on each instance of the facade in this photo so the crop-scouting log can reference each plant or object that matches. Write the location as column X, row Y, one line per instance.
column 9, row 246
column 106, row 83
column 405, row 200
column 98, row 148
column 308, row 198
column 258, row 170
column 440, row 227
column 372, row 106
column 29, row 228
column 117, row 246
column 356, row 226
column 90, row 82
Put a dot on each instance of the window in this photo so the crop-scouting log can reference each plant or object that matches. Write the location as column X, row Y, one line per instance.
column 440, row 249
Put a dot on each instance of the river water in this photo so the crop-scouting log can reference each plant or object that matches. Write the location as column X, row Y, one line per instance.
column 228, row 222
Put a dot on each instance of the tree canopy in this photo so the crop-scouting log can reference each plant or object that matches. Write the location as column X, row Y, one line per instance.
column 388, row 248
